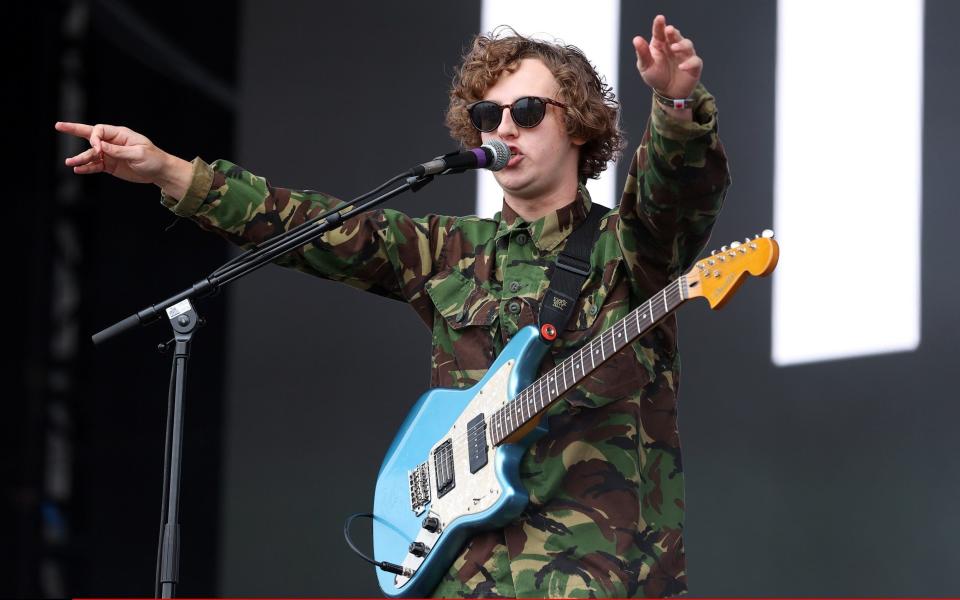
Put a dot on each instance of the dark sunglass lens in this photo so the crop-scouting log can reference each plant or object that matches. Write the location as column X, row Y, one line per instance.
column 485, row 116
column 528, row 111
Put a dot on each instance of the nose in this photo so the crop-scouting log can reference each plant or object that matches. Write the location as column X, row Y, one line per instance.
column 507, row 127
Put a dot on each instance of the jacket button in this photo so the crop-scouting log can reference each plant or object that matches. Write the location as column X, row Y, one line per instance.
column 514, row 286
column 593, row 310
column 521, row 238
column 514, row 307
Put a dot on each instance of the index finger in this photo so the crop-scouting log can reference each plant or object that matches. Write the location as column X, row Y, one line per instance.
column 77, row 129
column 659, row 24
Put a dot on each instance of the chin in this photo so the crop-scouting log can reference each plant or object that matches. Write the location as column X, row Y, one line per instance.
column 514, row 183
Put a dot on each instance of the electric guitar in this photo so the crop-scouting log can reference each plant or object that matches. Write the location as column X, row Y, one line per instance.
column 453, row 468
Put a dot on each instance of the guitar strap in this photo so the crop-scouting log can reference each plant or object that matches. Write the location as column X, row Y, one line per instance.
column 569, row 274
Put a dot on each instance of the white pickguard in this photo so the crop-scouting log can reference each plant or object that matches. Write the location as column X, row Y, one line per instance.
column 473, row 492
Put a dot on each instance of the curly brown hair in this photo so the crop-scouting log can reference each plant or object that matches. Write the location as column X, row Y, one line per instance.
column 592, row 107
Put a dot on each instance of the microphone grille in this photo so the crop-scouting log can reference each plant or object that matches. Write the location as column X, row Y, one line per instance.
column 501, row 154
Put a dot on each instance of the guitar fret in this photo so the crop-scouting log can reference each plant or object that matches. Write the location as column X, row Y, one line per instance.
column 540, row 394
column 550, row 386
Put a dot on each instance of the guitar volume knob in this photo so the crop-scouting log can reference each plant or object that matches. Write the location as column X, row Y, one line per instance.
column 431, row 524
column 418, row 549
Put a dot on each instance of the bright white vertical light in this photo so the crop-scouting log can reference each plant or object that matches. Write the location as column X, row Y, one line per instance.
column 847, row 182
column 592, row 27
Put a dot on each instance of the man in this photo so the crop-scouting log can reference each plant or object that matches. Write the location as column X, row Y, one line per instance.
column 606, row 483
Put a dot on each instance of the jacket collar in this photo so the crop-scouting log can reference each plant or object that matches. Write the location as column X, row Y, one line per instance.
column 551, row 229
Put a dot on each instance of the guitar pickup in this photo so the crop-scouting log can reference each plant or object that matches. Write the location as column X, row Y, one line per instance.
column 444, row 468
column 477, row 442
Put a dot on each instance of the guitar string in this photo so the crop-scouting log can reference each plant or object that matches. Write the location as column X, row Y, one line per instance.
column 455, row 451
column 580, row 355
column 544, row 382
column 673, row 291
column 667, row 294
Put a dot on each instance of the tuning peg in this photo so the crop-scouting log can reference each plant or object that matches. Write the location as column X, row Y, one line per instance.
column 767, row 233
column 746, row 240
column 734, row 244
column 723, row 248
column 712, row 252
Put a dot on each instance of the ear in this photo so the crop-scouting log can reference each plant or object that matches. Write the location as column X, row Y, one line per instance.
column 577, row 141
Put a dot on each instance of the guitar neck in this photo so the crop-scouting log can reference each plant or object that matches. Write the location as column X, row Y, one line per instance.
column 552, row 385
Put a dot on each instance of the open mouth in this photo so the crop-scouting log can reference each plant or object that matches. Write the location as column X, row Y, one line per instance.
column 515, row 156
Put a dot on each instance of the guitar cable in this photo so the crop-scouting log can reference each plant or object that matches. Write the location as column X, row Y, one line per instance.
column 384, row 565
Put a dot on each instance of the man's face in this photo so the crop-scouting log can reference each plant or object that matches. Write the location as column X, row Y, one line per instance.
column 544, row 155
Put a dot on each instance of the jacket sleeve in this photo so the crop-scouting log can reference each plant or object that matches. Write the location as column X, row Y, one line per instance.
column 380, row 251
column 676, row 185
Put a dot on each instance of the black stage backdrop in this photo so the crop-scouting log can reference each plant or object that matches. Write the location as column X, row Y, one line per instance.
column 832, row 478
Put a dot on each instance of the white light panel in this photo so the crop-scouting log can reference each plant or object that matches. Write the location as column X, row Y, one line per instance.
column 847, row 180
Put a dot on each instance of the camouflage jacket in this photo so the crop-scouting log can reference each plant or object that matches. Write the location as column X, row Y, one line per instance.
column 606, row 508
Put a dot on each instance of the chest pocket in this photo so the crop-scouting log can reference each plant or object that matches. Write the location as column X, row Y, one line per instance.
column 600, row 300
column 460, row 301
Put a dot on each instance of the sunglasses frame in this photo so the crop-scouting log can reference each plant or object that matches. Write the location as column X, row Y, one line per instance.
column 470, row 106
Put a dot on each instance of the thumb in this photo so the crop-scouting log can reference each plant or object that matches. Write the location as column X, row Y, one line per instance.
column 644, row 58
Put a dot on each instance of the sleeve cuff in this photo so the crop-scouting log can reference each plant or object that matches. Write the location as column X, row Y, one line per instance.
column 704, row 118
column 202, row 180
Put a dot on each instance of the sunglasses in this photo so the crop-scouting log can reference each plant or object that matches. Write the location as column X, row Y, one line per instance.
column 526, row 112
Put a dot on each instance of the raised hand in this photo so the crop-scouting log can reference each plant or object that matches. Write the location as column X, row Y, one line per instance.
column 126, row 154
column 668, row 63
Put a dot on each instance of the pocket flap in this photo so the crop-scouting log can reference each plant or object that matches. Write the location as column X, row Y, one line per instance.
column 460, row 300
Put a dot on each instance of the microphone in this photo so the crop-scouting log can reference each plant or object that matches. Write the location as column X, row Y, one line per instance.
column 493, row 155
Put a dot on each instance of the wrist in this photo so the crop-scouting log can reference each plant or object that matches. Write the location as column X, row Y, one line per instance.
column 175, row 176
column 674, row 102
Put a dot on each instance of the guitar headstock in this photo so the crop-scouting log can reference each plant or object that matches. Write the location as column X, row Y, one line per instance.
column 718, row 276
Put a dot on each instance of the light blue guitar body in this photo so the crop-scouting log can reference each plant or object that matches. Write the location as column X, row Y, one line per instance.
column 449, row 472
column 489, row 498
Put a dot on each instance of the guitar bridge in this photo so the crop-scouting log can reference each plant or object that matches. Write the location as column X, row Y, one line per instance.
column 420, row 487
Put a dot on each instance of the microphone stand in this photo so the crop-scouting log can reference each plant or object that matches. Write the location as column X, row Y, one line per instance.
column 184, row 320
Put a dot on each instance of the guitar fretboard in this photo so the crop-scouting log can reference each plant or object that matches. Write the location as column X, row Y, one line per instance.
column 573, row 369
